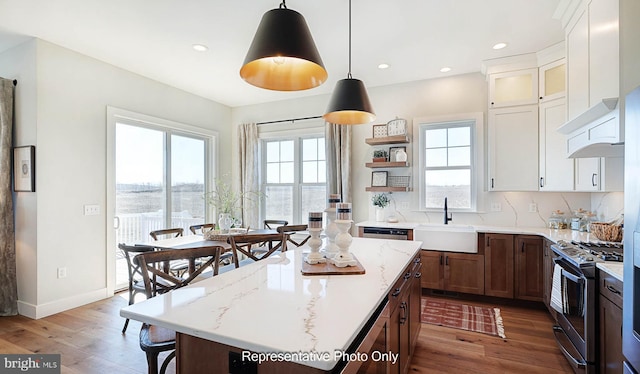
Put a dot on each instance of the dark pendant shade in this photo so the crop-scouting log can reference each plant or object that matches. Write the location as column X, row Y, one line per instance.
column 283, row 55
column 349, row 104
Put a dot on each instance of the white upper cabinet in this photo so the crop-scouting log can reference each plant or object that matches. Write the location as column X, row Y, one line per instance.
column 577, row 37
column 604, row 69
column 552, row 81
column 599, row 174
column 556, row 170
column 512, row 88
column 513, row 148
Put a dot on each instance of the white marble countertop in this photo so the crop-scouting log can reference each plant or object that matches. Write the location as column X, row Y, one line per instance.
column 269, row 306
column 553, row 235
column 612, row 268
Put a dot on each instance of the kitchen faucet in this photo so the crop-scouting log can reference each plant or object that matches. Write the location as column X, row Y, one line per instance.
column 447, row 215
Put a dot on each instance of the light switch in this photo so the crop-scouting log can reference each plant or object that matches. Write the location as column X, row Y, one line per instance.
column 91, row 210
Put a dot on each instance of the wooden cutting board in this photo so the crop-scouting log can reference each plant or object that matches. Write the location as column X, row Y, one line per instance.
column 330, row 269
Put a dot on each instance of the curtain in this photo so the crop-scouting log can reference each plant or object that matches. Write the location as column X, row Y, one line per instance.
column 338, row 148
column 249, row 168
column 8, row 282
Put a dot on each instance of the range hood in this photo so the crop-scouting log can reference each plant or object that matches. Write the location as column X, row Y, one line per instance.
column 596, row 132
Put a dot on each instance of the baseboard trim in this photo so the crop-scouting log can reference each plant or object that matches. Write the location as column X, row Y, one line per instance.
column 57, row 306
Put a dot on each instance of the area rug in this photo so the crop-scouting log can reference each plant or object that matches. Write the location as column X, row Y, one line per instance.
column 450, row 313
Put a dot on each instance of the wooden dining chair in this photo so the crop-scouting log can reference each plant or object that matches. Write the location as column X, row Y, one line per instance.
column 155, row 339
column 202, row 228
column 172, row 233
column 176, row 267
column 256, row 247
column 272, row 224
column 136, row 283
column 296, row 234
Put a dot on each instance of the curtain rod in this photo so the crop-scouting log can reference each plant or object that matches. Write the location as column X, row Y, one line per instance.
column 288, row 120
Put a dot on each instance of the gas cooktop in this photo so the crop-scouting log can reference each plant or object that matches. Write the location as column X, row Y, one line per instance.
column 585, row 254
column 607, row 251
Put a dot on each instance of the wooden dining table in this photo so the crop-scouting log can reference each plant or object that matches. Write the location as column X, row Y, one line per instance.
column 198, row 241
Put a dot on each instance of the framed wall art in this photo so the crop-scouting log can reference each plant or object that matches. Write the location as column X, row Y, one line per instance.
column 24, row 162
column 380, row 131
column 379, row 179
column 398, row 154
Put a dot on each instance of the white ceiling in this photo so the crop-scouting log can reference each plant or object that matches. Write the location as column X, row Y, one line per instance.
column 154, row 38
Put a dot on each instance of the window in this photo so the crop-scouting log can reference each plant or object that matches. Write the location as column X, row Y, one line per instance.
column 448, row 164
column 294, row 177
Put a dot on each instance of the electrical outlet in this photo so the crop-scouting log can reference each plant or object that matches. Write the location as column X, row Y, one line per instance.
column 404, row 205
column 533, row 207
column 496, row 207
column 91, row 210
column 62, row 272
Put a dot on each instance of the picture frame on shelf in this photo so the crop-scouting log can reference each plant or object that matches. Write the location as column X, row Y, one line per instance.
column 398, row 154
column 379, row 179
column 380, row 131
column 24, row 162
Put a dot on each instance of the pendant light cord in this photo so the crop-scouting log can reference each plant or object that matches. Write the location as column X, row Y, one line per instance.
column 349, row 73
column 283, row 4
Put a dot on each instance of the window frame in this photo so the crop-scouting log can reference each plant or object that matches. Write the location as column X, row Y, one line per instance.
column 477, row 160
column 276, row 133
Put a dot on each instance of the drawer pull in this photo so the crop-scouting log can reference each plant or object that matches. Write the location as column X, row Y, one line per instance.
column 610, row 288
column 396, row 292
column 418, row 275
column 403, row 316
column 408, row 275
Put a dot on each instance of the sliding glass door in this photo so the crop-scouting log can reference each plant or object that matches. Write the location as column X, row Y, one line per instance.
column 160, row 177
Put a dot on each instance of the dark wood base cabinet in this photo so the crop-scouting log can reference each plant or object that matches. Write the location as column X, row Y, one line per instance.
column 451, row 271
column 547, row 274
column 610, row 333
column 394, row 328
column 513, row 266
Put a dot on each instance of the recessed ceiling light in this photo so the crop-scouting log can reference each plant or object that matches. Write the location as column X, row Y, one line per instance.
column 200, row 47
column 445, row 69
column 383, row 66
column 499, row 45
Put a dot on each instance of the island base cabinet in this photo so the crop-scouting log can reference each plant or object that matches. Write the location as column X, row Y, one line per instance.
column 197, row 355
column 394, row 328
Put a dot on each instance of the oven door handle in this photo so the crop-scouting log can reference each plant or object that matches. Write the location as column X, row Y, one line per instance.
column 567, row 274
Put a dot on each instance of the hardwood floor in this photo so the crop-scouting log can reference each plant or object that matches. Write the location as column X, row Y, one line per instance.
column 529, row 347
column 89, row 340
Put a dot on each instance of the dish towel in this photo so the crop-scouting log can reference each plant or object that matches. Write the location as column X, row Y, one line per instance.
column 556, row 289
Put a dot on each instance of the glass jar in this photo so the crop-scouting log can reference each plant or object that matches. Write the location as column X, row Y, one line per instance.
column 585, row 223
column 557, row 221
column 576, row 219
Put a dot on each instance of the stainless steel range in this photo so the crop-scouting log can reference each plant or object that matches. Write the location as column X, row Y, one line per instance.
column 575, row 332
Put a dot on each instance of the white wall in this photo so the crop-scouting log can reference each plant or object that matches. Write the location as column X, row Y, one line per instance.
column 430, row 98
column 73, row 92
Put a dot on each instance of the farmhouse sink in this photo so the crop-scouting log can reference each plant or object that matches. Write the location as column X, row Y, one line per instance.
column 450, row 238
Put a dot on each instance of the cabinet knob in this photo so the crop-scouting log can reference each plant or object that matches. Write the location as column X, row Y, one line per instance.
column 540, row 97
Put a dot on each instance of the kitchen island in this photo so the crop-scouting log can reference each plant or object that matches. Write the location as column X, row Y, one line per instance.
column 267, row 307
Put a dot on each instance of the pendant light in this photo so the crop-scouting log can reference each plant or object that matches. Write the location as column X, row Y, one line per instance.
column 349, row 103
column 283, row 56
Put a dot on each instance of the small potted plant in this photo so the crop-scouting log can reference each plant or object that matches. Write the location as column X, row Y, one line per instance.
column 380, row 155
column 380, row 201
